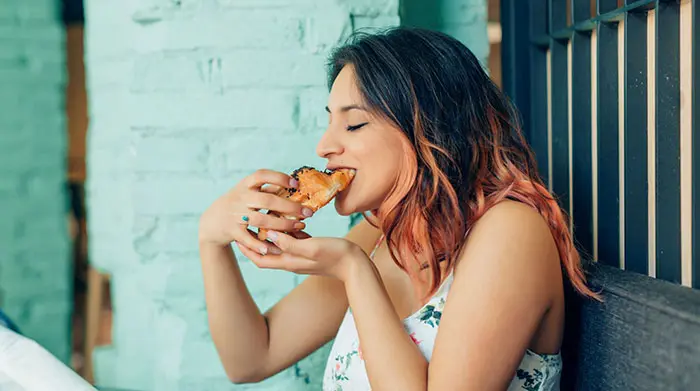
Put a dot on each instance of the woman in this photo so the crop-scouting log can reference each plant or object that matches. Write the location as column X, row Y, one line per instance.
column 464, row 287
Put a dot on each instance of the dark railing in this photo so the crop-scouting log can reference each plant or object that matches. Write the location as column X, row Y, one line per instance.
column 607, row 90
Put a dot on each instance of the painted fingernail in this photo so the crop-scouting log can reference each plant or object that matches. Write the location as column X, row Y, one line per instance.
column 275, row 251
column 293, row 183
column 299, row 225
column 263, row 250
column 307, row 212
column 272, row 235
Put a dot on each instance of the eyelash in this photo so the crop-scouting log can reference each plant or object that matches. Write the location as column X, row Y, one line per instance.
column 355, row 127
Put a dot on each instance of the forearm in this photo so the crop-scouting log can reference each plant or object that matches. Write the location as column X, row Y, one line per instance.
column 237, row 328
column 392, row 360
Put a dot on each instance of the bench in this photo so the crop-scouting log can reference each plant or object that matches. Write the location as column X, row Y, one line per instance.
column 644, row 336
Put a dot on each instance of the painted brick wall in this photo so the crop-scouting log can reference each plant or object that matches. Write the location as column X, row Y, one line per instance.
column 35, row 268
column 186, row 98
column 462, row 19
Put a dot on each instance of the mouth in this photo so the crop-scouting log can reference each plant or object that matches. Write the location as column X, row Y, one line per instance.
column 331, row 168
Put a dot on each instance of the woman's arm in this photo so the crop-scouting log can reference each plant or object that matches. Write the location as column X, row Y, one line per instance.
column 392, row 360
column 506, row 280
column 253, row 346
column 503, row 285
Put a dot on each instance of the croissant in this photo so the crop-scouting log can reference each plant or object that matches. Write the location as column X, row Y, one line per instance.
column 315, row 190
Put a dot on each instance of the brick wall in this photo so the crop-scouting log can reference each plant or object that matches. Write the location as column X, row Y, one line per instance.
column 462, row 19
column 186, row 98
column 35, row 268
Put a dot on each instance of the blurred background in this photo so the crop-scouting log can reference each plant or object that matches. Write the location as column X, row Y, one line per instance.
column 120, row 121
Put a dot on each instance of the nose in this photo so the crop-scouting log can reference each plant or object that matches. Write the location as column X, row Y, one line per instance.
column 329, row 145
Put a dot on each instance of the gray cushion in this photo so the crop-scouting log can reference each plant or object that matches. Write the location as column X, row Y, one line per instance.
column 644, row 336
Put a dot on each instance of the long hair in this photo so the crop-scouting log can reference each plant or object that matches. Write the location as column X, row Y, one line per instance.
column 464, row 147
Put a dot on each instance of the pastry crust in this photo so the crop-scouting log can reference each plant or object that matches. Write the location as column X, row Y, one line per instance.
column 315, row 190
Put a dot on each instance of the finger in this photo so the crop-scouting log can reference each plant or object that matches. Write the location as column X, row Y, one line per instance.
column 272, row 202
column 274, row 222
column 262, row 177
column 249, row 239
column 281, row 262
column 255, row 257
column 272, row 189
column 291, row 245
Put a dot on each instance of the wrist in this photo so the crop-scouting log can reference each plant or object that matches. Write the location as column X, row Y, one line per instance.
column 206, row 245
column 359, row 267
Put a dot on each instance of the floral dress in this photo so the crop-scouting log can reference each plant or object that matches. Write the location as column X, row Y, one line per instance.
column 345, row 368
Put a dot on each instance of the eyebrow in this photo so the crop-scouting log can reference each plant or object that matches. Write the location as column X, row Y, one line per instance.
column 348, row 108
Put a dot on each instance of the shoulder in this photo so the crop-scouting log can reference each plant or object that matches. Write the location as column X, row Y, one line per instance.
column 513, row 242
column 511, row 223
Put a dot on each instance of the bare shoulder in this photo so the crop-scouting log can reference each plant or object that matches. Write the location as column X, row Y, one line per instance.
column 516, row 218
column 513, row 240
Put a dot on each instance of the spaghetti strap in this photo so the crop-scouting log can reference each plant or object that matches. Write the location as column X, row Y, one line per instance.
column 376, row 246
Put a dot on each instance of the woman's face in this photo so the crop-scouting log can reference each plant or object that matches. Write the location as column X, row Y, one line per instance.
column 357, row 139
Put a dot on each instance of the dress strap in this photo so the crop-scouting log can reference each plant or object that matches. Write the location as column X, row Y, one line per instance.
column 376, row 246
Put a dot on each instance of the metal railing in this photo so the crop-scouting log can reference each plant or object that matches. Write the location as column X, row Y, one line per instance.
column 607, row 91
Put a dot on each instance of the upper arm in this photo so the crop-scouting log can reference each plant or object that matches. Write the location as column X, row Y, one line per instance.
column 309, row 316
column 501, row 290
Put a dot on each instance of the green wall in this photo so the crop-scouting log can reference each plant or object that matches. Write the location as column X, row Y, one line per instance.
column 35, row 266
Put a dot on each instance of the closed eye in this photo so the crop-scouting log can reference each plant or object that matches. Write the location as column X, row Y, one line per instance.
column 355, row 127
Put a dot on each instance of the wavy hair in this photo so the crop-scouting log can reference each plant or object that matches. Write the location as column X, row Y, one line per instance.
column 465, row 151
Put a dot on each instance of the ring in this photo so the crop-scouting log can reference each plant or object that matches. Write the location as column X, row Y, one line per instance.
column 245, row 220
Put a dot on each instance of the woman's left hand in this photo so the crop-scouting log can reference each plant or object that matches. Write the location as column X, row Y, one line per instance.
column 306, row 255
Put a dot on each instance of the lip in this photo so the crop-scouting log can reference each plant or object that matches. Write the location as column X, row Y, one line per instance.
column 333, row 168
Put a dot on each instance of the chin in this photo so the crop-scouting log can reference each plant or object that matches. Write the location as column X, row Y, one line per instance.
column 342, row 206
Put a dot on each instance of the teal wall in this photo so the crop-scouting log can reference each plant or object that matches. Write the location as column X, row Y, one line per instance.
column 35, row 268
column 462, row 19
column 186, row 98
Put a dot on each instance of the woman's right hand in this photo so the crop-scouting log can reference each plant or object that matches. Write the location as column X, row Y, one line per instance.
column 228, row 218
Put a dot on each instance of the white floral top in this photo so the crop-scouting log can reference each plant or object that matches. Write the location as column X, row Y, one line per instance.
column 345, row 368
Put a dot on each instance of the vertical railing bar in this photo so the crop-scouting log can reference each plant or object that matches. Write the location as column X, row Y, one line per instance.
column 580, row 10
column 606, row 6
column 559, row 115
column 668, row 245
column 695, row 43
column 621, row 138
column 686, row 145
column 557, row 15
column 608, row 148
column 635, row 155
column 538, row 88
column 515, row 58
column 582, row 153
column 651, row 140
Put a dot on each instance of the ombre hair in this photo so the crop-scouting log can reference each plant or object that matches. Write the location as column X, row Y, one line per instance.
column 465, row 148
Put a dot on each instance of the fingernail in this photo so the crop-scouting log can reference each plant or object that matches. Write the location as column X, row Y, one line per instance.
column 275, row 251
column 272, row 235
column 307, row 212
column 293, row 183
column 263, row 250
column 299, row 225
